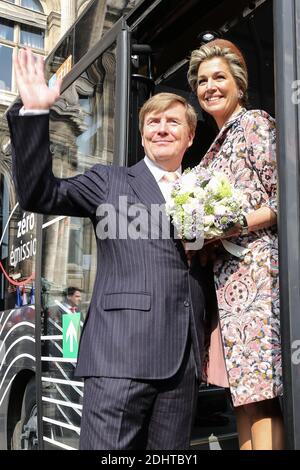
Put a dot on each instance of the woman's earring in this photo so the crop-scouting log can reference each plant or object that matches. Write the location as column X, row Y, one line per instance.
column 241, row 94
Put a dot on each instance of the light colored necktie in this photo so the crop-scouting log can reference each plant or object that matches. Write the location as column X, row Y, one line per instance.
column 168, row 179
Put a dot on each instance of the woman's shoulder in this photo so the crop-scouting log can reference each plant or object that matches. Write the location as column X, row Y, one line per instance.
column 258, row 122
column 257, row 117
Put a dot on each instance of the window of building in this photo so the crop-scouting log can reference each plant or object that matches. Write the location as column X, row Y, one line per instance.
column 6, row 30
column 6, row 67
column 14, row 35
column 32, row 37
column 32, row 5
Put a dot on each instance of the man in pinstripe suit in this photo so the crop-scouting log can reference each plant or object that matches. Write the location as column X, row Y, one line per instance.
column 141, row 345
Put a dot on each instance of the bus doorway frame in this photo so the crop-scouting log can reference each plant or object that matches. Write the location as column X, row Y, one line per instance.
column 287, row 71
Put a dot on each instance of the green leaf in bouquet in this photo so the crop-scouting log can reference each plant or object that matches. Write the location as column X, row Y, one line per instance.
column 224, row 220
column 208, row 209
column 225, row 189
column 182, row 198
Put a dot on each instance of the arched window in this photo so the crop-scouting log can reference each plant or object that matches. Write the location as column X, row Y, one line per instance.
column 32, row 5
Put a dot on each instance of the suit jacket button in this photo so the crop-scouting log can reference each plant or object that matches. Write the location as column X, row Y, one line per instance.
column 186, row 303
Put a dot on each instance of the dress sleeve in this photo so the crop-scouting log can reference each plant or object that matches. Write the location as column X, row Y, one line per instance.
column 260, row 135
column 37, row 188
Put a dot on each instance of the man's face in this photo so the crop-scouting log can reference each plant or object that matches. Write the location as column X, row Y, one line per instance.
column 75, row 299
column 166, row 136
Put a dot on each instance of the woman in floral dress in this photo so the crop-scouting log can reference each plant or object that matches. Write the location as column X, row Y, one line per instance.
column 248, row 287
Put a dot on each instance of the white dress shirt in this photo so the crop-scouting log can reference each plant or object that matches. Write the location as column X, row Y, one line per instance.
column 32, row 112
column 158, row 174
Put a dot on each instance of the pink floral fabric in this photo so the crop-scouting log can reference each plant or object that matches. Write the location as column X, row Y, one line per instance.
column 248, row 289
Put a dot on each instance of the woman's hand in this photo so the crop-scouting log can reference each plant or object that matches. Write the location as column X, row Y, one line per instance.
column 234, row 231
column 259, row 219
column 30, row 78
column 210, row 251
column 262, row 218
column 213, row 248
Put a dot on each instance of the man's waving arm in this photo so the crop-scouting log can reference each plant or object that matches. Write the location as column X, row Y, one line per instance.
column 31, row 83
column 37, row 188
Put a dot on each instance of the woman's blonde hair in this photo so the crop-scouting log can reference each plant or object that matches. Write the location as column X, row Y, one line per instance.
column 233, row 57
column 161, row 102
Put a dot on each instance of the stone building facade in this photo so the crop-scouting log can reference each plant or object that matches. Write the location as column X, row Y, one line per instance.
column 35, row 23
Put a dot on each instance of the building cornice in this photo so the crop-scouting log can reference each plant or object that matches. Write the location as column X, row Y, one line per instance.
column 22, row 15
column 54, row 19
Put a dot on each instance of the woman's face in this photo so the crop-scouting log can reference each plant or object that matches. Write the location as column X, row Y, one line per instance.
column 217, row 91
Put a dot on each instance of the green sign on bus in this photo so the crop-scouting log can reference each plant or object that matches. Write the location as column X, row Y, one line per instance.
column 71, row 333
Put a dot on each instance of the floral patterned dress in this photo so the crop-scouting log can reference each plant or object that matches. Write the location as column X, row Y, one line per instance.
column 248, row 289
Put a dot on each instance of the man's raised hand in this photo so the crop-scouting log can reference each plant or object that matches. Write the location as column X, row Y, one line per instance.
column 31, row 83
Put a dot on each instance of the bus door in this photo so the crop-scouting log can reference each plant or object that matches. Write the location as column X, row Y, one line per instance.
column 162, row 41
column 287, row 73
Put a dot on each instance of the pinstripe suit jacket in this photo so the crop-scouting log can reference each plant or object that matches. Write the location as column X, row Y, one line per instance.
column 146, row 300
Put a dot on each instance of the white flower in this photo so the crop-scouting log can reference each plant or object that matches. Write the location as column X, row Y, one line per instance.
column 208, row 219
column 184, row 189
column 191, row 205
column 219, row 209
column 188, row 180
column 213, row 185
column 170, row 206
column 199, row 193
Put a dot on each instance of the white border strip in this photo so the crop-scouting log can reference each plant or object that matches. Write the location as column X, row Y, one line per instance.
column 63, row 395
column 54, row 323
column 32, row 325
column 68, row 420
column 62, row 381
column 12, row 363
column 53, row 221
column 22, row 338
column 8, row 220
column 63, row 307
column 48, row 337
column 58, row 444
column 7, row 388
column 58, row 359
column 62, row 424
column 63, row 403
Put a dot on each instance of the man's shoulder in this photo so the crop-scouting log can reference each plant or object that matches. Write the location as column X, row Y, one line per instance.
column 119, row 171
column 111, row 175
column 111, row 170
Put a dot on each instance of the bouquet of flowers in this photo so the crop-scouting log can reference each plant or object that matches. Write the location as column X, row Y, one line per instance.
column 203, row 204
